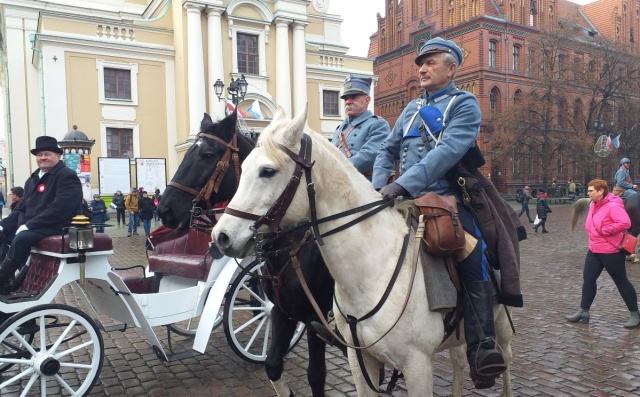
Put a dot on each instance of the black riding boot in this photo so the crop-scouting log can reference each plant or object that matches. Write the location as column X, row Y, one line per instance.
column 7, row 273
column 485, row 361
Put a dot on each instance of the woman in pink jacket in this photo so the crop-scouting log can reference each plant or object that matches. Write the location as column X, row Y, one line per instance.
column 605, row 225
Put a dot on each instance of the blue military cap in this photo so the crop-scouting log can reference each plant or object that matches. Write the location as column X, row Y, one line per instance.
column 356, row 86
column 438, row 44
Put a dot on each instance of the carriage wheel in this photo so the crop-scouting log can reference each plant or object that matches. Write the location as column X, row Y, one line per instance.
column 12, row 347
column 247, row 317
column 64, row 355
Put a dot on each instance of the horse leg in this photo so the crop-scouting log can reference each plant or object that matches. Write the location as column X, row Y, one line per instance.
column 503, row 339
column 372, row 367
column 317, row 369
column 283, row 330
column 458, row 356
column 418, row 375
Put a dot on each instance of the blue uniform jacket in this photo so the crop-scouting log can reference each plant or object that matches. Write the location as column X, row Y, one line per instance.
column 369, row 131
column 621, row 175
column 423, row 169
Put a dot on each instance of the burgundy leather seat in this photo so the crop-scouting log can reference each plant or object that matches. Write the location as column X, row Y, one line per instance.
column 184, row 256
column 101, row 242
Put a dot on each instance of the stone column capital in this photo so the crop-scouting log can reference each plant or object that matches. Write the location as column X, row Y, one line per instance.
column 193, row 6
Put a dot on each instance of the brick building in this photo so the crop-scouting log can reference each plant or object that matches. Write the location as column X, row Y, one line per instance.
column 501, row 42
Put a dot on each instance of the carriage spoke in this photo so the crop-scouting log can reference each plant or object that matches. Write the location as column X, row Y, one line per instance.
column 16, row 378
column 32, row 380
column 255, row 334
column 64, row 384
column 73, row 349
column 254, row 295
column 248, row 323
column 60, row 339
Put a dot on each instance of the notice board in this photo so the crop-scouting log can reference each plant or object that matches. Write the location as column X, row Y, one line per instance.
column 151, row 174
column 114, row 174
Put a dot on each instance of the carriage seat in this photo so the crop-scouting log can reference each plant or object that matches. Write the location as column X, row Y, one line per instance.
column 184, row 256
column 101, row 242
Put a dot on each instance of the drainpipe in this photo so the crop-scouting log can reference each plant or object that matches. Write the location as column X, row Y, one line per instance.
column 7, row 104
column 32, row 39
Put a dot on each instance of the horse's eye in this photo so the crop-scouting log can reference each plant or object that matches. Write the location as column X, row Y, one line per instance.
column 267, row 172
column 207, row 156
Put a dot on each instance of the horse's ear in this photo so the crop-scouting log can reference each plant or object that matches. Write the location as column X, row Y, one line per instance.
column 205, row 123
column 228, row 124
column 293, row 134
column 279, row 114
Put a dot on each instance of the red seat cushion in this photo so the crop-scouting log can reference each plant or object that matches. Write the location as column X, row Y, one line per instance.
column 184, row 256
column 41, row 269
column 101, row 242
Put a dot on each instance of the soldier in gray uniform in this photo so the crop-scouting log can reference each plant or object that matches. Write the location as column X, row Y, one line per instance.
column 623, row 178
column 360, row 135
column 430, row 138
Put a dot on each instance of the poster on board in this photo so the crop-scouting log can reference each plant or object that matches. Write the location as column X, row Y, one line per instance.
column 151, row 174
column 114, row 174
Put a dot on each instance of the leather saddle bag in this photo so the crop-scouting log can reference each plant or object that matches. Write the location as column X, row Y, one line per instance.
column 443, row 232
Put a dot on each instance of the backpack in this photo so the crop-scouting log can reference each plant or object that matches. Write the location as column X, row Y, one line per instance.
column 520, row 196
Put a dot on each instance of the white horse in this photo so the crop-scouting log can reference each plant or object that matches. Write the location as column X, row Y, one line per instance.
column 361, row 258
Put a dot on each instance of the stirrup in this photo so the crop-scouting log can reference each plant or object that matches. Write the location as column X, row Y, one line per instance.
column 322, row 333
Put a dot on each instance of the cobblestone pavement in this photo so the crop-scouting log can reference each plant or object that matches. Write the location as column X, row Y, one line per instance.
column 551, row 356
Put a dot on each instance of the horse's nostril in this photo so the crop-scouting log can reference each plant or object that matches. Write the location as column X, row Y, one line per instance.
column 223, row 241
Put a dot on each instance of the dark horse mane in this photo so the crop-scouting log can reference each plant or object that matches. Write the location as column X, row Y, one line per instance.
column 291, row 304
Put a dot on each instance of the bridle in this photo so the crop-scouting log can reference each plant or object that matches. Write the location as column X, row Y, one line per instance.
column 212, row 185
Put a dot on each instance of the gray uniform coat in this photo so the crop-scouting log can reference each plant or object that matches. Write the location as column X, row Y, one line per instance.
column 364, row 136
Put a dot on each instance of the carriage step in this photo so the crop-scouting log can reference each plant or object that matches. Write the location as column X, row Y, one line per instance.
column 182, row 355
column 115, row 327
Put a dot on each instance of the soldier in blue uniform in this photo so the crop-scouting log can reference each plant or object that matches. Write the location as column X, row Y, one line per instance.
column 360, row 135
column 429, row 139
column 623, row 178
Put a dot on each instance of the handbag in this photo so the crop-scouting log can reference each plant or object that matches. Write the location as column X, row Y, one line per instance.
column 536, row 221
column 628, row 243
column 443, row 232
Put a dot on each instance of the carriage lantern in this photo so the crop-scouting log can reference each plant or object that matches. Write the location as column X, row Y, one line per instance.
column 81, row 240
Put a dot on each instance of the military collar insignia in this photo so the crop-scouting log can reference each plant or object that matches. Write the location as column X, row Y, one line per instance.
column 41, row 188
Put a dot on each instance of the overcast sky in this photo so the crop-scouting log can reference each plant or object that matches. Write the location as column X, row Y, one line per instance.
column 360, row 21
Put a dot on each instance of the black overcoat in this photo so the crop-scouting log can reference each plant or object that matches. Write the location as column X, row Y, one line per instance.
column 49, row 202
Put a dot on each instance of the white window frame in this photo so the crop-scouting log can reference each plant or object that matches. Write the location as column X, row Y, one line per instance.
column 101, row 64
column 321, row 89
column 493, row 54
column 135, row 127
column 262, row 42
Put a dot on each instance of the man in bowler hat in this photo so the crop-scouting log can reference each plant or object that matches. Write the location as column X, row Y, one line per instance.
column 360, row 135
column 430, row 137
column 52, row 196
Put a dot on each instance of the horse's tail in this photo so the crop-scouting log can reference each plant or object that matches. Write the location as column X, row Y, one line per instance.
column 577, row 209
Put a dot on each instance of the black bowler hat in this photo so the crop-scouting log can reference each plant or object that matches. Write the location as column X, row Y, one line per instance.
column 46, row 143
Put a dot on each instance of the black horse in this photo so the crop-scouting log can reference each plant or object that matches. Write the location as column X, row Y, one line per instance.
column 291, row 305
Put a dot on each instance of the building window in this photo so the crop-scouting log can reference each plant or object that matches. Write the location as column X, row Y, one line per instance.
column 517, row 97
column 530, row 60
column 248, row 53
column 330, row 103
column 492, row 53
column 117, row 84
column 516, row 58
column 562, row 64
column 494, row 98
column 119, row 142
column 577, row 69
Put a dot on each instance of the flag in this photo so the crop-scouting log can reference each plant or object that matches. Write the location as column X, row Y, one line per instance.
column 232, row 108
column 616, row 141
column 255, row 111
column 609, row 143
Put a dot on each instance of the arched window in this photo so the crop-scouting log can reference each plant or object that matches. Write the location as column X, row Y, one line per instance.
column 517, row 97
column 578, row 116
column 562, row 114
column 494, row 103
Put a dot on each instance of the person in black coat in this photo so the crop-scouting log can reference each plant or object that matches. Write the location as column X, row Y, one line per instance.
column 542, row 209
column 98, row 210
column 52, row 196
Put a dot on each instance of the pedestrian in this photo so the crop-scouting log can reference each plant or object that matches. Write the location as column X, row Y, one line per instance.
column 426, row 152
column 118, row 201
column 1, row 204
column 17, row 192
column 98, row 210
column 145, row 205
column 52, row 196
column 526, row 196
column 360, row 135
column 156, row 202
column 131, row 204
column 572, row 189
column 623, row 178
column 606, row 223
column 542, row 209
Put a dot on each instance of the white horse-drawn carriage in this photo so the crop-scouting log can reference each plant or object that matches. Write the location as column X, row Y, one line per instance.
column 47, row 348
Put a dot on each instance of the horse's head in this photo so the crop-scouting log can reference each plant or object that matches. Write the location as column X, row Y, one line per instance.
column 265, row 174
column 197, row 167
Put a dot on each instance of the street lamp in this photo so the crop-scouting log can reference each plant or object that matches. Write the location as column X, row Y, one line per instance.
column 237, row 89
column 602, row 148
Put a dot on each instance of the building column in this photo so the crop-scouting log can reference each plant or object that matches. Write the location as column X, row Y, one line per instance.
column 299, row 68
column 216, row 67
column 195, row 60
column 283, row 74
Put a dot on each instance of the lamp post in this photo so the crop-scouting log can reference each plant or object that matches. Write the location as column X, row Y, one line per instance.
column 237, row 90
column 602, row 148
